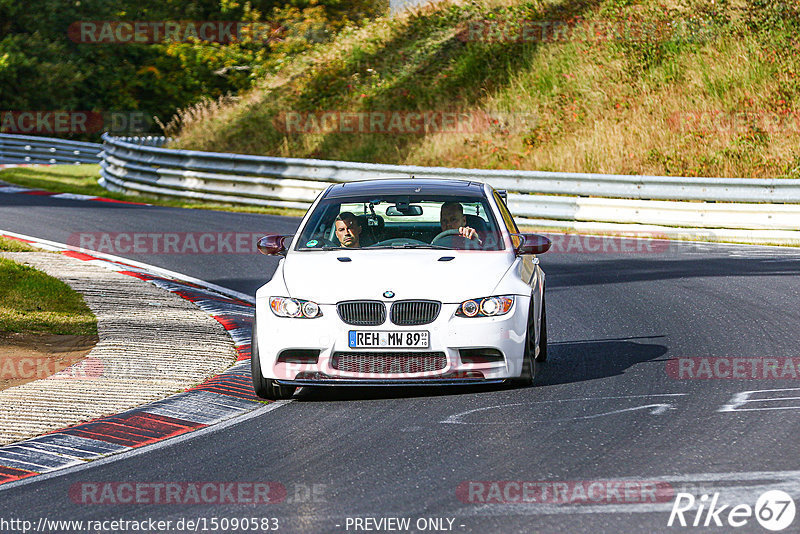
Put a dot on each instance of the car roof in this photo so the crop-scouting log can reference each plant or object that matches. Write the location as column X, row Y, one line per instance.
column 407, row 186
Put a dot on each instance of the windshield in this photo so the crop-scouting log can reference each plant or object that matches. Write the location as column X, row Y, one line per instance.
column 402, row 222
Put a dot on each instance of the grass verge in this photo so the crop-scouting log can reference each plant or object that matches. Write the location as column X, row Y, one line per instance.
column 82, row 180
column 673, row 87
column 32, row 302
column 12, row 245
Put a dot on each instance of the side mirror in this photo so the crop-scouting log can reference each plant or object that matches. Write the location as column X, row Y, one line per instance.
column 272, row 245
column 532, row 244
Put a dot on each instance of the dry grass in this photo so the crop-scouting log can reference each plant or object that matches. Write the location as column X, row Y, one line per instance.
column 8, row 244
column 613, row 106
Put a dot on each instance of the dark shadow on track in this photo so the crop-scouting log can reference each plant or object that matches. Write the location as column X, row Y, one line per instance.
column 576, row 361
column 568, row 362
column 343, row 393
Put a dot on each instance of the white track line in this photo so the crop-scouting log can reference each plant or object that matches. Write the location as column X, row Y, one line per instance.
column 114, row 457
column 158, row 270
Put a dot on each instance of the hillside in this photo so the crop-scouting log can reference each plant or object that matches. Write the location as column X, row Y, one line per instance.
column 693, row 87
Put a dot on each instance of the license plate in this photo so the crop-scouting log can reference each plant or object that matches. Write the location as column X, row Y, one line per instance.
column 388, row 340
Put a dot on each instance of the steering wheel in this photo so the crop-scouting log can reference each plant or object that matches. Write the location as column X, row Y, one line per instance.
column 398, row 241
column 441, row 235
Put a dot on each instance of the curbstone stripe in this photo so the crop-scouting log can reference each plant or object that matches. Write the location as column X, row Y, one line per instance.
column 13, row 189
column 215, row 400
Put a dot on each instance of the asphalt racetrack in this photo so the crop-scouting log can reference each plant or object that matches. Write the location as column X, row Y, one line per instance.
column 673, row 370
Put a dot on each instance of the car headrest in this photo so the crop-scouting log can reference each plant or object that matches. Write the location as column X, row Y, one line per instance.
column 474, row 221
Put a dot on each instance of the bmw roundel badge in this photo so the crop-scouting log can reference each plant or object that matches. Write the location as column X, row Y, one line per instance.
column 388, row 294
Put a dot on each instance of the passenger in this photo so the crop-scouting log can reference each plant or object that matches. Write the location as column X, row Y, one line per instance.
column 348, row 230
column 452, row 218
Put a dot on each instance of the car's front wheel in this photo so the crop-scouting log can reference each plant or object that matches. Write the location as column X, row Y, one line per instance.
column 525, row 379
column 542, row 356
column 264, row 387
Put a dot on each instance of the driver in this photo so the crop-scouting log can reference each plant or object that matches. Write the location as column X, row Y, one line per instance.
column 452, row 218
column 348, row 230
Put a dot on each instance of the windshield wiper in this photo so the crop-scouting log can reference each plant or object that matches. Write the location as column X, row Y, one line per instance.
column 415, row 245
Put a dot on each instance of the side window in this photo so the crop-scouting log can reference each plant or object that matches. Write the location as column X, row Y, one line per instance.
column 319, row 230
column 508, row 220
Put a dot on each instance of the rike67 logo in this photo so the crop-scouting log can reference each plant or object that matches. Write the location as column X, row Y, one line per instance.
column 774, row 510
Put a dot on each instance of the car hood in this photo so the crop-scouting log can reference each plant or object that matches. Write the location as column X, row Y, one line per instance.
column 323, row 277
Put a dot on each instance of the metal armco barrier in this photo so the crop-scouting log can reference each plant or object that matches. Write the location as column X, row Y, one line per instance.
column 46, row 150
column 542, row 197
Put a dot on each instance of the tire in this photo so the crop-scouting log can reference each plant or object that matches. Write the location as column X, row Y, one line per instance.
column 264, row 387
column 542, row 357
column 525, row 379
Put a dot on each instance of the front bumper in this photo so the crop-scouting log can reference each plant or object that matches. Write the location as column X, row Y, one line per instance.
column 335, row 381
column 477, row 350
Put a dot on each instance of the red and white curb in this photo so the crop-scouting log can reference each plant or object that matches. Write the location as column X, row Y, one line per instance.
column 216, row 400
column 15, row 189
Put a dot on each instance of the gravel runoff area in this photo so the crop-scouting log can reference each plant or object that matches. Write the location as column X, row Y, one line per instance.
column 152, row 344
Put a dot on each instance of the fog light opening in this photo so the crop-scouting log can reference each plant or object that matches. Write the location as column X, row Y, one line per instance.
column 299, row 356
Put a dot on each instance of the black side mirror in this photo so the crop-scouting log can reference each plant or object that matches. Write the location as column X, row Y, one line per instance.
column 532, row 244
column 272, row 245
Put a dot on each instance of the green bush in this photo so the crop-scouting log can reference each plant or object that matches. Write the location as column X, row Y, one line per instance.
column 42, row 69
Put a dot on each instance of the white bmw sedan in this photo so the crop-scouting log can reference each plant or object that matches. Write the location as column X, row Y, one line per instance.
column 401, row 282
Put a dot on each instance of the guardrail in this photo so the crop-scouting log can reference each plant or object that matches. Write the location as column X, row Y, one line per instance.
column 762, row 210
column 544, row 198
column 46, row 150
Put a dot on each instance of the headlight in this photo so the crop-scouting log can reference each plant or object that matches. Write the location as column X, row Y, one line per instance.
column 485, row 307
column 288, row 307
